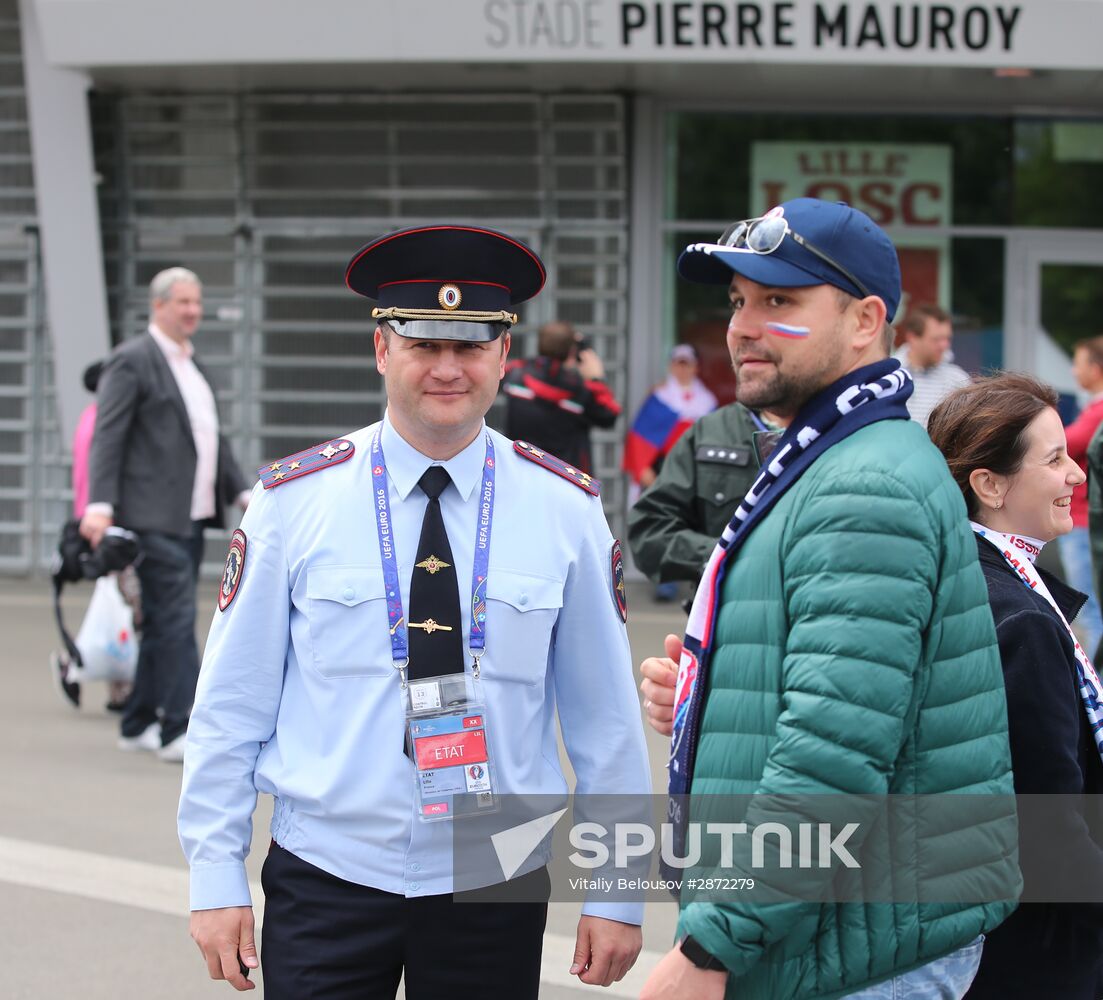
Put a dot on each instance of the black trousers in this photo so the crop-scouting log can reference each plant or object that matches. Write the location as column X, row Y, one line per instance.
column 327, row 939
column 168, row 658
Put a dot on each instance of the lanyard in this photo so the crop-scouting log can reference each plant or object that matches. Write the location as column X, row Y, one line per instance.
column 480, row 570
column 1091, row 690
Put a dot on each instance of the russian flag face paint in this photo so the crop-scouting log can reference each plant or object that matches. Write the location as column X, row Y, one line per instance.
column 792, row 332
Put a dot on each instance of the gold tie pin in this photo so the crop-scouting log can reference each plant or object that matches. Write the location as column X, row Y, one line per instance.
column 430, row 626
column 432, row 565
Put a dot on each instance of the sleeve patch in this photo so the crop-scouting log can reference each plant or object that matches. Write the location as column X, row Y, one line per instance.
column 616, row 579
column 559, row 467
column 303, row 463
column 233, row 571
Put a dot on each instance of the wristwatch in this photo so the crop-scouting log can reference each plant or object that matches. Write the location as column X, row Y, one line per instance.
column 699, row 957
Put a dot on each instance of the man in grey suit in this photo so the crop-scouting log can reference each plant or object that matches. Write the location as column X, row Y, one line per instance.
column 160, row 467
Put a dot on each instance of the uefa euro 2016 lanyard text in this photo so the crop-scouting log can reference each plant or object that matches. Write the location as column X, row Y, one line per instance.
column 445, row 720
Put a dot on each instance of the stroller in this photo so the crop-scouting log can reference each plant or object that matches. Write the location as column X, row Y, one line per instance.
column 107, row 634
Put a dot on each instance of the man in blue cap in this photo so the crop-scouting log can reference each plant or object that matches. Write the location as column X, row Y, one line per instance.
column 840, row 644
column 404, row 614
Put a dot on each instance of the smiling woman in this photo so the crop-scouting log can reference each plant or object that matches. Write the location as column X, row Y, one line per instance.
column 1005, row 446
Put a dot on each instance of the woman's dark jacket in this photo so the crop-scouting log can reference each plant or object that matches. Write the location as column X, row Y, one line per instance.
column 1046, row 950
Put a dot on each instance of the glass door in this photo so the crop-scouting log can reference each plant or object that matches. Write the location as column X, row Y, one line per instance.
column 1054, row 298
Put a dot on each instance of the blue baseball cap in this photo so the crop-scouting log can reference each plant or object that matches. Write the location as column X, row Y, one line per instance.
column 845, row 235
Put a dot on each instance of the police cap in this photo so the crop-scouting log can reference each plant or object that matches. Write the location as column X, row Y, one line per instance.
column 446, row 282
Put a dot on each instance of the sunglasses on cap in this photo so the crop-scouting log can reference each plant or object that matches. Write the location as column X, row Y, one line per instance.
column 766, row 233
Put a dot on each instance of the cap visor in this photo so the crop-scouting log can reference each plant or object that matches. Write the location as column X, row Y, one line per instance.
column 709, row 264
column 433, row 329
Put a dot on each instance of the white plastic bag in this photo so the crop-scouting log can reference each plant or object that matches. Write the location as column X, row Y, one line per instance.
column 108, row 647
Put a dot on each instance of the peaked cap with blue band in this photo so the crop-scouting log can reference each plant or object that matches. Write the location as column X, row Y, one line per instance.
column 446, row 282
column 847, row 235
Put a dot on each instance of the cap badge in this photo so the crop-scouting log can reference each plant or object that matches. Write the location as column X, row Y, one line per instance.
column 449, row 297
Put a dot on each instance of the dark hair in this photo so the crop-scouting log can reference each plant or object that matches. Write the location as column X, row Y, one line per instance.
column 556, row 340
column 916, row 320
column 983, row 426
column 1094, row 348
column 91, row 376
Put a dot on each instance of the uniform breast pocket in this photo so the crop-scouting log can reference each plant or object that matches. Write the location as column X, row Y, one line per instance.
column 521, row 610
column 347, row 615
column 719, row 490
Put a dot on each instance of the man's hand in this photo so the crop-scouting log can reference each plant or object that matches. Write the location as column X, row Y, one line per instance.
column 677, row 978
column 223, row 935
column 659, row 674
column 604, row 950
column 647, row 477
column 93, row 527
column 589, row 364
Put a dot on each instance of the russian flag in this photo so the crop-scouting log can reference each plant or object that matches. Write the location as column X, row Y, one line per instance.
column 652, row 434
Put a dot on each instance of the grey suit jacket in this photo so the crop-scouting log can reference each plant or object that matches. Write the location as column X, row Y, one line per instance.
column 143, row 455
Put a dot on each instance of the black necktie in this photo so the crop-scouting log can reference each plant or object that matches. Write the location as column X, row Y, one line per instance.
column 434, row 626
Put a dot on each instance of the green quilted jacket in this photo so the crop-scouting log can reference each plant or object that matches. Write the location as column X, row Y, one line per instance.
column 854, row 652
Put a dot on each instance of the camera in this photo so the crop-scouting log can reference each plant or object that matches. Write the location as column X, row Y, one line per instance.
column 76, row 560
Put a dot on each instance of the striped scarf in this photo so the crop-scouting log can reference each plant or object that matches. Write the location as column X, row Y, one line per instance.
column 865, row 396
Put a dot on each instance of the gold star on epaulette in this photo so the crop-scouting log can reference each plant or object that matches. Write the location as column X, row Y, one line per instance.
column 305, row 462
column 432, row 565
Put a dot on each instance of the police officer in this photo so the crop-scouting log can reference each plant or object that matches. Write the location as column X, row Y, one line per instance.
column 371, row 575
column 674, row 525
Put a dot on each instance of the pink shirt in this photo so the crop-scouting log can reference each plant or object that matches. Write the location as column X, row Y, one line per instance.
column 199, row 402
column 82, row 445
column 1079, row 434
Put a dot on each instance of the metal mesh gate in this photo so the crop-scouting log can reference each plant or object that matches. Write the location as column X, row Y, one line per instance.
column 266, row 198
column 32, row 474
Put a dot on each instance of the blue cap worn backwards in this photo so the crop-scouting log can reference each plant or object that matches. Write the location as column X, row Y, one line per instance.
column 803, row 242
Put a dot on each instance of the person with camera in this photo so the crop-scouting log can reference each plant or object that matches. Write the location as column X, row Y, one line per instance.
column 553, row 399
column 76, row 560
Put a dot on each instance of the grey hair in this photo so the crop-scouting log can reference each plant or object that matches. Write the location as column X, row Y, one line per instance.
column 160, row 288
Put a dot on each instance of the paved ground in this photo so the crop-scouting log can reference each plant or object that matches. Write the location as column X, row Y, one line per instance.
column 92, row 882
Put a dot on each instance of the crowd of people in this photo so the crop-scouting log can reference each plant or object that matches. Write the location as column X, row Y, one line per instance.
column 862, row 528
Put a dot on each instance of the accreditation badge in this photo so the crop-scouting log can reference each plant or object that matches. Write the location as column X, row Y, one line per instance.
column 446, row 733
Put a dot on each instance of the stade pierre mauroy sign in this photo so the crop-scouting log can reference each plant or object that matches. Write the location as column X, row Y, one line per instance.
column 1059, row 34
column 703, row 25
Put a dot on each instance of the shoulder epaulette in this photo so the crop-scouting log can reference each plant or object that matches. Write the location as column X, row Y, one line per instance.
column 303, row 463
column 559, row 467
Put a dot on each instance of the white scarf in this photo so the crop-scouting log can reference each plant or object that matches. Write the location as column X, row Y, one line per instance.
column 1020, row 552
column 690, row 402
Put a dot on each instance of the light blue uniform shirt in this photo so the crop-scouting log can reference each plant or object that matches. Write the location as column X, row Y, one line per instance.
column 298, row 696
